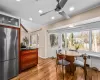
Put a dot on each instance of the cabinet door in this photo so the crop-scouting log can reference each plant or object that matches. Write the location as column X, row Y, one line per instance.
column 12, row 43
column 2, row 43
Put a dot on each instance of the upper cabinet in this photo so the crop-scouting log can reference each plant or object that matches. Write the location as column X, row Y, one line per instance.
column 8, row 20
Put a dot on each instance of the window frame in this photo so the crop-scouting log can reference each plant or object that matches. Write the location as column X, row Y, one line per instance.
column 77, row 29
column 66, row 28
column 88, row 38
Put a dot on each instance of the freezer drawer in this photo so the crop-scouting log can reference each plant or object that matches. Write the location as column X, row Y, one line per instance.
column 12, row 43
column 8, row 69
column 12, row 68
column 2, row 44
column 3, row 71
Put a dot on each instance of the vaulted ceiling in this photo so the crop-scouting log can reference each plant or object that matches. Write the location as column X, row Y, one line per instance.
column 26, row 9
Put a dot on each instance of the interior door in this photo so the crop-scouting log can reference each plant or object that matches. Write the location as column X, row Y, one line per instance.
column 12, row 43
column 2, row 43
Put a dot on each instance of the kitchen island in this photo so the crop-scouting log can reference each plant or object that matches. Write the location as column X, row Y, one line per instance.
column 28, row 58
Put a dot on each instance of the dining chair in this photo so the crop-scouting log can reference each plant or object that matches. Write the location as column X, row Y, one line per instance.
column 61, row 60
column 82, row 64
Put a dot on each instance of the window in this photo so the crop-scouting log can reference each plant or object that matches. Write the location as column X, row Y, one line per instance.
column 78, row 40
column 96, row 40
column 63, row 40
column 34, row 40
column 53, row 40
column 38, row 39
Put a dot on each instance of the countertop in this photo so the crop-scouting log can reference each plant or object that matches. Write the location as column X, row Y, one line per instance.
column 27, row 49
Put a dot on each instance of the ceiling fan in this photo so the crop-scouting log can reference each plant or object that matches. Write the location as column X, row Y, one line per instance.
column 58, row 8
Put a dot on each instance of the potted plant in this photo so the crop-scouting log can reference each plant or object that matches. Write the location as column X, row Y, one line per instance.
column 26, row 41
column 77, row 47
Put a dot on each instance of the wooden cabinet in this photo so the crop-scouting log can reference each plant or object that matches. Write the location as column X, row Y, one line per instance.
column 28, row 59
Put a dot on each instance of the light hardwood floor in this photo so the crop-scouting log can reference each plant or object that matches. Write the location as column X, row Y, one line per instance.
column 46, row 70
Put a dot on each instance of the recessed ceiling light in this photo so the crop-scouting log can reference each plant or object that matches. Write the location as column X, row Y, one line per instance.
column 53, row 17
column 71, row 8
column 18, row 0
column 40, row 11
column 30, row 19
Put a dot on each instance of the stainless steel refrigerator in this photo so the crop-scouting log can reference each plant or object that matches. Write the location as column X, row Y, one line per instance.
column 8, row 53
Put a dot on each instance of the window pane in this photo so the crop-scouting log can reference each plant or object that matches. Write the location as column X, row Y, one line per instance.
column 78, row 40
column 96, row 40
column 63, row 40
column 34, row 40
column 38, row 39
column 53, row 40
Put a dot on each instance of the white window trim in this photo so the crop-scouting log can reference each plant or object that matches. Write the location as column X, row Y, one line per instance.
column 57, row 30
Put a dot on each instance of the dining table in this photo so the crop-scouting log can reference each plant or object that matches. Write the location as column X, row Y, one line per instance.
column 70, row 56
column 73, row 53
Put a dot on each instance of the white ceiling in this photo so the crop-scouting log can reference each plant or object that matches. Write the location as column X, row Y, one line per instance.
column 30, row 26
column 29, row 8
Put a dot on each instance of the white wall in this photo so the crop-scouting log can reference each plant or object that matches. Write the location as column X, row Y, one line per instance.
column 30, row 26
column 42, row 41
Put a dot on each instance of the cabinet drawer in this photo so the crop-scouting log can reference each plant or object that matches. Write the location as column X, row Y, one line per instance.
column 28, row 65
column 26, row 58
column 28, row 51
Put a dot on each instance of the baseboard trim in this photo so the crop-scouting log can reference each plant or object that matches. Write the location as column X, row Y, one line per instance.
column 43, row 57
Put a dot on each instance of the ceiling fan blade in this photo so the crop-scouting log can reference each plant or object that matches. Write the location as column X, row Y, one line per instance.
column 62, row 3
column 46, row 13
column 64, row 14
column 58, row 1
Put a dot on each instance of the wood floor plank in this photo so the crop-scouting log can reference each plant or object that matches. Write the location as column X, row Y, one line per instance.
column 46, row 70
